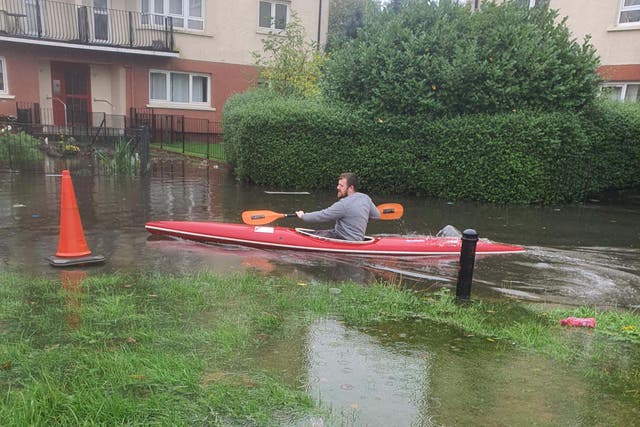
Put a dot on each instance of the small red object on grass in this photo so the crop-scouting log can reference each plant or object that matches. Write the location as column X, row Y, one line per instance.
column 586, row 322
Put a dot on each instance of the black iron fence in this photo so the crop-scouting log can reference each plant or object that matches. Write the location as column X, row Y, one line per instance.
column 176, row 133
column 185, row 135
column 67, row 22
column 22, row 150
column 41, row 122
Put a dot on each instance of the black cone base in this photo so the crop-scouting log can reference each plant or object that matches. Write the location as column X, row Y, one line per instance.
column 67, row 262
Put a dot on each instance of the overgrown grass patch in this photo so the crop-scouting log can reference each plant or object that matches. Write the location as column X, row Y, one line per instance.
column 150, row 349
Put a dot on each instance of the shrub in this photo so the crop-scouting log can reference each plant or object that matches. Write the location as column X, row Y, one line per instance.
column 521, row 157
column 18, row 149
column 430, row 61
column 274, row 140
column 614, row 129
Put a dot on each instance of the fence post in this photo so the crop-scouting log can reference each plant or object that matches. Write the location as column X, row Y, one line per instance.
column 9, row 144
column 208, row 141
column 36, row 114
column 182, row 132
column 144, row 149
column 467, row 260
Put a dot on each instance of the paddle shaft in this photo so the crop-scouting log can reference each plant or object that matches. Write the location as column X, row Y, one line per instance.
column 271, row 216
column 388, row 211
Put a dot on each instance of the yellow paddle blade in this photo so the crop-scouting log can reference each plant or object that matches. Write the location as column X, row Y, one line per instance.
column 261, row 217
column 391, row 210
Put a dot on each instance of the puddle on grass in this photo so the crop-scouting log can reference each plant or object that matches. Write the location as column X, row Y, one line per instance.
column 425, row 374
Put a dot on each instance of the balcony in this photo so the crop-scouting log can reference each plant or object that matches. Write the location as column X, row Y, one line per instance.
column 54, row 23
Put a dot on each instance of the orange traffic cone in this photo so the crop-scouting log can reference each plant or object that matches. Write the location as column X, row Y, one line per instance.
column 72, row 246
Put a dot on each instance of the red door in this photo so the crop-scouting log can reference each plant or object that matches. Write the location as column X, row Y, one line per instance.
column 71, row 91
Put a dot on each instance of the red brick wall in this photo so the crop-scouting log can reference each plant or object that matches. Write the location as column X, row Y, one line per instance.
column 21, row 78
column 23, row 61
column 620, row 73
column 226, row 79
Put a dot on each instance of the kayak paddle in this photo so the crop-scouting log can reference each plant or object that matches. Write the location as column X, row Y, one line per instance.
column 387, row 211
column 263, row 217
column 390, row 210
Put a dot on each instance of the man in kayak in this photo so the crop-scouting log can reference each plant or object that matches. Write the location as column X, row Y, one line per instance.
column 351, row 212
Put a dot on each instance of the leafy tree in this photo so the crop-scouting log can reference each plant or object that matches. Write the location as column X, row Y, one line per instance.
column 433, row 60
column 290, row 63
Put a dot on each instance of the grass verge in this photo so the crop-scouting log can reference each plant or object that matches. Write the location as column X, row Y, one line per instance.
column 150, row 349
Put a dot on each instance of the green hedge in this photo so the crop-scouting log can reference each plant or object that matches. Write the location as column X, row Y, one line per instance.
column 614, row 161
column 520, row 157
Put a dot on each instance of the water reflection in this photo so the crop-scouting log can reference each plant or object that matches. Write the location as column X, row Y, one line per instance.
column 426, row 374
column 363, row 382
column 72, row 284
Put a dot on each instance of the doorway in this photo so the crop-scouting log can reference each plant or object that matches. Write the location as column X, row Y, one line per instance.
column 71, row 94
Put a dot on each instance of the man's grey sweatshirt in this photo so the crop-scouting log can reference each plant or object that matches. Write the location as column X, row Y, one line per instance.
column 351, row 214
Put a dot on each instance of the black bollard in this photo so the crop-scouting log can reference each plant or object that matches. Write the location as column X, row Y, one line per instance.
column 467, row 261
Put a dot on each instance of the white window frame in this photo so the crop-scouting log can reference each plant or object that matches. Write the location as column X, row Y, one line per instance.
column 167, row 99
column 531, row 3
column 150, row 14
column 272, row 27
column 5, row 82
column 623, row 89
column 623, row 9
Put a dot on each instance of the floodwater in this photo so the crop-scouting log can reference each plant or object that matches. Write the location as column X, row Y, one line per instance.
column 579, row 254
column 409, row 374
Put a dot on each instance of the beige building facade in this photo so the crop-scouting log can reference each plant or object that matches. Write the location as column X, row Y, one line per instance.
column 614, row 29
column 75, row 61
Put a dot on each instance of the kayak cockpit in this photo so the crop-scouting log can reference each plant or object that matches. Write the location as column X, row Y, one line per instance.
column 311, row 233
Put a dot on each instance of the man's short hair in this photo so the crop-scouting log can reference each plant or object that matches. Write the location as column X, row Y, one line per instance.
column 352, row 179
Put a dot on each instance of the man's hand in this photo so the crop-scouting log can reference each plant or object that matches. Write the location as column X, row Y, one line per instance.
column 299, row 214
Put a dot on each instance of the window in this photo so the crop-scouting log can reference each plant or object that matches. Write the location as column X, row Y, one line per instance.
column 3, row 76
column 100, row 20
column 184, row 13
column 273, row 16
column 35, row 20
column 533, row 3
column 627, row 92
column 629, row 12
column 178, row 87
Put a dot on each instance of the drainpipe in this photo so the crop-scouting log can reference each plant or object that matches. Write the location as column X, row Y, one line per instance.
column 319, row 22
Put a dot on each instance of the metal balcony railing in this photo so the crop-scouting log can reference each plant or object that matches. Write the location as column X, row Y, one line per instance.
column 71, row 23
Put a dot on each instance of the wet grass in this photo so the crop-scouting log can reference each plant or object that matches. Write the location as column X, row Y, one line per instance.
column 148, row 349
column 194, row 149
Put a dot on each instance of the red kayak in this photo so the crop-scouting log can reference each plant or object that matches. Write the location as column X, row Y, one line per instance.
column 301, row 239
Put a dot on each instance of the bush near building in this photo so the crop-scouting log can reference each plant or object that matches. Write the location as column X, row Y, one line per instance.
column 521, row 157
column 496, row 105
column 430, row 60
